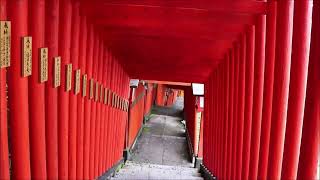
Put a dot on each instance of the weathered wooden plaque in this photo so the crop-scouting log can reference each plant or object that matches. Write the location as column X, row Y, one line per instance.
column 109, row 97
column 77, row 81
column 126, row 106
column 91, row 89
column 43, row 65
column 101, row 93
column 118, row 102
column 68, row 76
column 105, row 101
column 26, row 56
column 84, row 85
column 5, row 43
column 113, row 99
column 57, row 72
column 96, row 97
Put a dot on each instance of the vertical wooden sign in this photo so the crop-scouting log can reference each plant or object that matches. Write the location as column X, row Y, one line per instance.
column 5, row 43
column 127, row 106
column 96, row 94
column 43, row 65
column 26, row 56
column 77, row 81
column 84, row 85
column 91, row 89
column 105, row 96
column 112, row 101
column 109, row 97
column 57, row 72
column 101, row 92
column 68, row 76
column 117, row 102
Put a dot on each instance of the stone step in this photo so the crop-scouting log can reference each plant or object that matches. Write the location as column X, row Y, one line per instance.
column 138, row 171
column 133, row 170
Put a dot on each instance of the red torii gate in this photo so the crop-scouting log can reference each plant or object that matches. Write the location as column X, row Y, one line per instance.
column 259, row 62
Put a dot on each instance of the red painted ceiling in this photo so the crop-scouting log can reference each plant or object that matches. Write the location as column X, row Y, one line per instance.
column 171, row 40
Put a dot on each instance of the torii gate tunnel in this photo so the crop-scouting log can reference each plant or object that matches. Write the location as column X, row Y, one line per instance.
column 67, row 111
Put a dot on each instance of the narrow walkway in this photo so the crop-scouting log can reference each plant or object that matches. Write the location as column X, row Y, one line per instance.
column 163, row 141
column 161, row 151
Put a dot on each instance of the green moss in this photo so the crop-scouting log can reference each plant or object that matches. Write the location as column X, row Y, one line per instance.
column 146, row 129
column 119, row 167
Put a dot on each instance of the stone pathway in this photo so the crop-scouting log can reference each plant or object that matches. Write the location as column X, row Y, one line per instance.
column 161, row 151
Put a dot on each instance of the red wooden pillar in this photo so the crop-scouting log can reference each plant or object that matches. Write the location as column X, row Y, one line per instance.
column 214, row 122
column 217, row 119
column 222, row 100
column 51, row 40
column 120, row 145
column 4, row 151
column 225, row 156
column 205, row 120
column 117, row 90
column 18, row 92
column 63, row 108
column 298, row 85
column 235, row 110
column 94, row 106
column 281, row 87
column 248, row 102
column 118, row 140
column 111, row 114
column 81, row 97
column 241, row 104
column 104, row 115
column 230, row 114
column 98, row 113
column 108, row 126
column 268, row 89
column 88, row 105
column 222, row 120
column 121, row 114
column 37, row 92
column 211, row 150
column 75, row 31
column 309, row 150
column 259, row 64
column 102, row 119
column 208, row 121
column 123, row 118
column 211, row 127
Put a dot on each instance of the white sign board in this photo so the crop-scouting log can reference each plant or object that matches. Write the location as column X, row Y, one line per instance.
column 134, row 83
column 198, row 89
column 201, row 102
